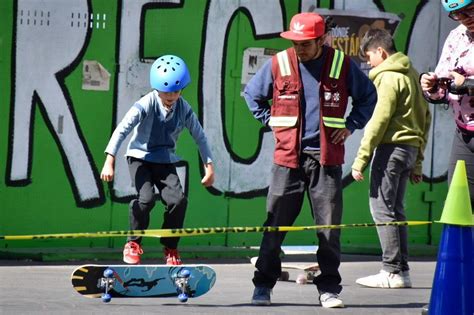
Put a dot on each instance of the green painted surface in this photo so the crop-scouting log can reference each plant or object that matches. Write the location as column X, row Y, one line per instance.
column 48, row 204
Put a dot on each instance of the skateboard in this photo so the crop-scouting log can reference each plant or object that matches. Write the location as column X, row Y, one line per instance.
column 140, row 281
column 307, row 271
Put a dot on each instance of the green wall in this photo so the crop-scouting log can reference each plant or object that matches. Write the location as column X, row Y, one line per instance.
column 47, row 201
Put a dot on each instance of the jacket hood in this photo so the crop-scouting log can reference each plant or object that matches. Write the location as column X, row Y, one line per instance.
column 397, row 62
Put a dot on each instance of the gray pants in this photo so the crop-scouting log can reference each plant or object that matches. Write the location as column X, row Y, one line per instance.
column 323, row 185
column 390, row 171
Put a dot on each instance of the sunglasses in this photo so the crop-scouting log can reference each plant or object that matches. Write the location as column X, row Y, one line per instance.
column 461, row 14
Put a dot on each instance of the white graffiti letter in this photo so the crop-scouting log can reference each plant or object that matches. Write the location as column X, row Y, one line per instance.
column 232, row 176
column 50, row 40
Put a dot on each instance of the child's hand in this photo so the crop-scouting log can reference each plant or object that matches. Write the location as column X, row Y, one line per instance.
column 208, row 178
column 107, row 174
column 357, row 175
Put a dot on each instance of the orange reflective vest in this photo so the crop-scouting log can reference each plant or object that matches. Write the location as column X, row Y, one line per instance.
column 286, row 113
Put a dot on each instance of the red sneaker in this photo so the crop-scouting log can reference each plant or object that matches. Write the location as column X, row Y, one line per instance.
column 172, row 257
column 132, row 252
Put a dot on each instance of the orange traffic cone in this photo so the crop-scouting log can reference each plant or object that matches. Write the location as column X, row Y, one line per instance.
column 453, row 283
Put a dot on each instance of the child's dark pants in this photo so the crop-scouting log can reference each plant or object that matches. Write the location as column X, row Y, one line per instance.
column 145, row 175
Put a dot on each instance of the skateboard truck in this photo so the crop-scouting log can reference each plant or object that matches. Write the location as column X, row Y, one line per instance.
column 181, row 281
column 107, row 283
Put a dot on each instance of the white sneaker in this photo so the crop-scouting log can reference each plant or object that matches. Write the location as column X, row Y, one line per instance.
column 387, row 280
column 330, row 300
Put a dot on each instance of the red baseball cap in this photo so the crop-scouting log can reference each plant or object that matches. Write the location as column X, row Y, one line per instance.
column 304, row 26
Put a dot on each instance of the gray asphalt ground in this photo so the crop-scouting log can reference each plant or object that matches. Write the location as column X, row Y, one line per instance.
column 45, row 288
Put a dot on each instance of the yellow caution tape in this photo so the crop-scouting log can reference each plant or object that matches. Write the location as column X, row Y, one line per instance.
column 203, row 231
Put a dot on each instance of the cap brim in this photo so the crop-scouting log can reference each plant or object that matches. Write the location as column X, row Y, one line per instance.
column 293, row 36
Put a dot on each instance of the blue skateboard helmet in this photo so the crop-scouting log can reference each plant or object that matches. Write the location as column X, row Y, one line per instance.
column 169, row 73
column 454, row 5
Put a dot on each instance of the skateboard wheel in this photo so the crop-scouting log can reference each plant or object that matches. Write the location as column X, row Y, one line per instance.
column 284, row 276
column 106, row 298
column 108, row 273
column 185, row 273
column 301, row 279
column 310, row 276
column 183, row 297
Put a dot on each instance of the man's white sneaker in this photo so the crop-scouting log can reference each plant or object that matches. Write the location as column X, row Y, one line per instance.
column 386, row 280
column 330, row 300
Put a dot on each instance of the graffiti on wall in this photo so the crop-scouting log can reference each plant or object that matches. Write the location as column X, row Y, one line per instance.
column 39, row 80
column 60, row 33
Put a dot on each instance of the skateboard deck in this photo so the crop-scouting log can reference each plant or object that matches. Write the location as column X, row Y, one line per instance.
column 307, row 271
column 140, row 281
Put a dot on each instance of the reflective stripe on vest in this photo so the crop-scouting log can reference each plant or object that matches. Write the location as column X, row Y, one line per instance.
column 284, row 63
column 283, row 121
column 334, row 122
column 336, row 64
column 285, row 70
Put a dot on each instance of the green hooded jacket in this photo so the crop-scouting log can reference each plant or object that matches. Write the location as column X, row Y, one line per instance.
column 401, row 116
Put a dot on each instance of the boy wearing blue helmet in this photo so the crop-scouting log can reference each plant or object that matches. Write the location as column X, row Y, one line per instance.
column 157, row 119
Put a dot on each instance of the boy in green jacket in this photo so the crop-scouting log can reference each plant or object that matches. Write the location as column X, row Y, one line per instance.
column 397, row 132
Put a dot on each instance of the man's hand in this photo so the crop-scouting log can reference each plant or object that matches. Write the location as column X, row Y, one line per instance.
column 357, row 175
column 208, row 178
column 339, row 136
